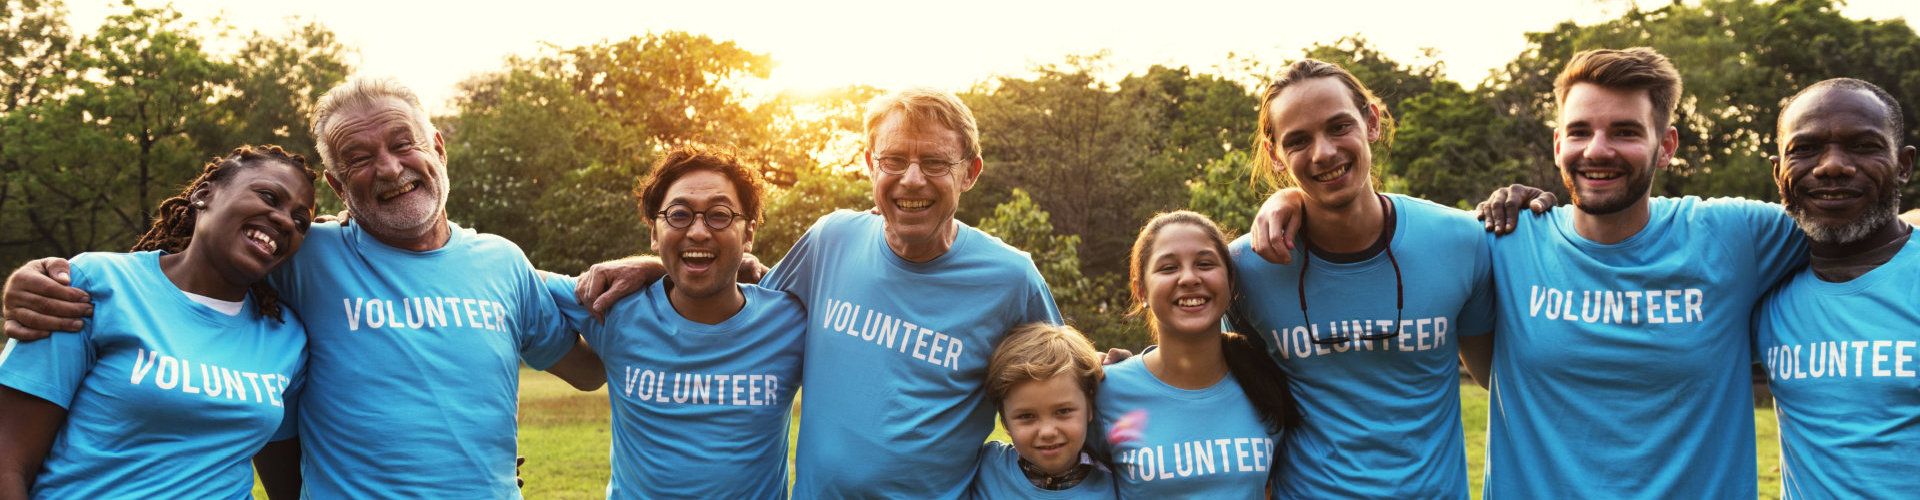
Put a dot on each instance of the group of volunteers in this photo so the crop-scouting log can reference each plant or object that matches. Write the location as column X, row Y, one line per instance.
column 1316, row 357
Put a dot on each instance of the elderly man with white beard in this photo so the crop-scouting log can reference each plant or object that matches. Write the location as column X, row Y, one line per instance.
column 1839, row 338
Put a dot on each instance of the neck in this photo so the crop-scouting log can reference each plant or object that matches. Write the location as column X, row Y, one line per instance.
column 431, row 239
column 926, row 249
column 1614, row 227
column 192, row 273
column 707, row 310
column 1189, row 363
column 1347, row 229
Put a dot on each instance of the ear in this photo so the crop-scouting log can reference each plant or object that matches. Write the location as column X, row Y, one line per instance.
column 203, row 193
column 867, row 155
column 334, row 183
column 974, row 167
column 654, row 227
column 1669, row 144
column 439, row 147
column 1373, row 122
column 1906, row 164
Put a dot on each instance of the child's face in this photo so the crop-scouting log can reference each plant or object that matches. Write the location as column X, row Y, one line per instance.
column 1048, row 421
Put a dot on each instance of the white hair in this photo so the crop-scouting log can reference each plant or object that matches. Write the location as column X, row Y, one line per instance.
column 357, row 92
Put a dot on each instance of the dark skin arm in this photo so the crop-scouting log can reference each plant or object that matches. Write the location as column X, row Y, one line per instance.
column 608, row 282
column 27, row 427
column 278, row 464
column 1476, row 352
column 38, row 301
column 1502, row 209
column 580, row 367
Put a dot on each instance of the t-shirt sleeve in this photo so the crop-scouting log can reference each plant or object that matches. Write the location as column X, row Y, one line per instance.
column 560, row 288
column 542, row 330
column 290, row 399
column 1040, row 306
column 51, row 368
column 1476, row 315
column 1778, row 245
column 794, row 273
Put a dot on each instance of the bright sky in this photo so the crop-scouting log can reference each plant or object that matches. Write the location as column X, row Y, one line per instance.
column 433, row 44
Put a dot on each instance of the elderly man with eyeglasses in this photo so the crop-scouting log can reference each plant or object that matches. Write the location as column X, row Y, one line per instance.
column 903, row 310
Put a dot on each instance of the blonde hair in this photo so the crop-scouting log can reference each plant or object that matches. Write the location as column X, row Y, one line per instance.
column 358, row 92
column 924, row 106
column 1041, row 351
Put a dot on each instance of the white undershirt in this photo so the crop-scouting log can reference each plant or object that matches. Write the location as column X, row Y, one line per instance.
column 227, row 307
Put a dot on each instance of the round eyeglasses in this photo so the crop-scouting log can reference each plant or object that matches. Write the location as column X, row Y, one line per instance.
column 1399, row 295
column 928, row 166
column 717, row 218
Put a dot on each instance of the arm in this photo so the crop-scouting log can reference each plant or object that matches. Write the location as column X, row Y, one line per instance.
column 38, row 300
column 1476, row 352
column 1276, row 224
column 278, row 465
column 608, row 282
column 1501, row 211
column 27, row 428
column 580, row 367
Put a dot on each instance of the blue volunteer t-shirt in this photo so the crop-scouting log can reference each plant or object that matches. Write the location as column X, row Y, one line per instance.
column 1845, row 380
column 1206, row 443
column 1000, row 477
column 1381, row 418
column 415, row 362
column 1621, row 371
column 897, row 355
column 699, row 411
column 165, row 397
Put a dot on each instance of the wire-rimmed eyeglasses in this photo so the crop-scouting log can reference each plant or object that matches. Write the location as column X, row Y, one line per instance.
column 928, row 166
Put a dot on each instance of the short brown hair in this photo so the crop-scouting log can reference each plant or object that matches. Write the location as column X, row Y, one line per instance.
column 683, row 160
column 1302, row 71
column 927, row 106
column 1638, row 68
column 1041, row 351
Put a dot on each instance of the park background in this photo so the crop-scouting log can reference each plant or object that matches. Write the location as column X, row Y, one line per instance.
column 1093, row 115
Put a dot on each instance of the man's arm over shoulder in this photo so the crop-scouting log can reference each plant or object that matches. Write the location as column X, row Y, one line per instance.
column 39, row 300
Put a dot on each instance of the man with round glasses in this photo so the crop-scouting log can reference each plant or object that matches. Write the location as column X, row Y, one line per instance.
column 696, row 359
column 903, row 310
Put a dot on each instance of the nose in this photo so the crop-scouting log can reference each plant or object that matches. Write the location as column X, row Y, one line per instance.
column 1324, row 151
column 1188, row 276
column 1833, row 164
column 387, row 166
column 699, row 230
column 1599, row 148
column 914, row 175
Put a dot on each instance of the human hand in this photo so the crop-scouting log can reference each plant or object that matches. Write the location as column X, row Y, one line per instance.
column 38, row 300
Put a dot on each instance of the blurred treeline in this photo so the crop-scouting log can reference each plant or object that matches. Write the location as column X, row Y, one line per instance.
column 95, row 130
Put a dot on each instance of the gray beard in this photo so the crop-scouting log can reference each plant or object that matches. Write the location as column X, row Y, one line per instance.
column 1859, row 229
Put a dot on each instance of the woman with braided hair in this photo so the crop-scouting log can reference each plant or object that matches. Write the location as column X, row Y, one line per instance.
column 187, row 365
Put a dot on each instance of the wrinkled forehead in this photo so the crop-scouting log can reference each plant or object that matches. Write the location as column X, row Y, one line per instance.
column 1835, row 110
column 362, row 122
column 901, row 132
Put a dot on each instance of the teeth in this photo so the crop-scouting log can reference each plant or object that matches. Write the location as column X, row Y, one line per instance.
column 403, row 189
column 696, row 255
column 1332, row 175
column 1191, row 302
column 1600, row 176
column 256, row 235
column 913, row 204
column 1831, row 196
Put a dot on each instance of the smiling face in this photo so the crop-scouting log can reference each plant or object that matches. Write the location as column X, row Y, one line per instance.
column 702, row 261
column 1047, row 420
column 1185, row 282
column 1321, row 141
column 390, row 170
column 919, row 209
column 1840, row 167
column 253, row 221
column 1608, row 146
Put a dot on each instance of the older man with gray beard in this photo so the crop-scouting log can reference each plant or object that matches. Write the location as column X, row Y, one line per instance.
column 416, row 326
column 1839, row 338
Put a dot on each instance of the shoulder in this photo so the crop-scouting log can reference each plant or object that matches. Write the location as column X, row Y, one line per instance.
column 990, row 248
column 774, row 303
column 97, row 270
column 845, row 220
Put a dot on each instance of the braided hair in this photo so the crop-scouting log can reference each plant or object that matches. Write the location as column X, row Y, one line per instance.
column 173, row 223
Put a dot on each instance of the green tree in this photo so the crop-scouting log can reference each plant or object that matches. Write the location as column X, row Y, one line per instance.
column 277, row 79
column 1021, row 223
column 34, row 40
column 792, row 210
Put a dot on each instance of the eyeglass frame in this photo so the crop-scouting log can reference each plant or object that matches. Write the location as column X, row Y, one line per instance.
column 701, row 216
column 1399, row 292
column 879, row 162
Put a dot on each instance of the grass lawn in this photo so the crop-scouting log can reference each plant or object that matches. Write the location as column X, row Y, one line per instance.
column 564, row 435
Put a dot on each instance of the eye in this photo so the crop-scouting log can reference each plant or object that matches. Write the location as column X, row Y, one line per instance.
column 1342, row 128
column 1579, row 132
column 268, row 196
column 1023, row 416
column 1065, row 412
column 1627, row 133
column 1867, row 147
column 301, row 221
column 1293, row 144
column 1168, row 268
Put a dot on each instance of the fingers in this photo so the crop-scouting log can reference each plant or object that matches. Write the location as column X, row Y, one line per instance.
column 13, row 330
column 1502, row 214
column 1115, row 355
column 1546, row 201
column 751, row 270
column 591, row 288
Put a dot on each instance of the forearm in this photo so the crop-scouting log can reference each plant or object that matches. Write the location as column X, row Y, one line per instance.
column 1476, row 352
column 580, row 367
column 27, row 427
column 278, row 465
